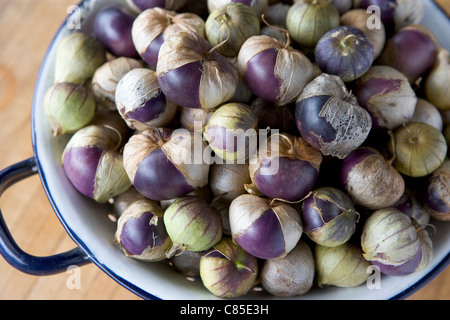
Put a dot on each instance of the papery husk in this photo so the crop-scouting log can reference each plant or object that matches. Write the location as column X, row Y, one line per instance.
column 192, row 224
column 68, row 107
column 408, row 12
column 292, row 67
column 389, row 237
column 259, row 6
column 219, row 76
column 292, row 275
column 111, row 178
column 136, row 88
column 340, row 229
column 142, row 144
column 308, row 20
column 341, row 266
column 194, row 119
column 228, row 180
column 439, row 186
column 428, row 113
column 438, row 81
column 427, row 248
column 342, row 111
column 385, row 106
column 282, row 145
column 183, row 148
column 156, row 21
column 233, row 23
column 125, row 199
column 94, row 136
column 239, row 120
column 410, row 205
column 352, row 124
column 106, row 78
column 374, row 183
column 110, row 119
column 227, row 271
column 134, row 211
column 77, row 58
column 327, row 85
column 419, row 149
column 290, row 222
column 247, row 209
column 186, row 150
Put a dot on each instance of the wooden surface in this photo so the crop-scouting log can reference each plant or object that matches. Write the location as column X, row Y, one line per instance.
column 27, row 27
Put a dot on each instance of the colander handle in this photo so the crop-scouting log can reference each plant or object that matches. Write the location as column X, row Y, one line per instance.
column 9, row 249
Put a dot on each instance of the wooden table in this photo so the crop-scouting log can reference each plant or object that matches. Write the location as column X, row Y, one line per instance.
column 26, row 29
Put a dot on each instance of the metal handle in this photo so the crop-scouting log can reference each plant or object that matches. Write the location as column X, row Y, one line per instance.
column 9, row 249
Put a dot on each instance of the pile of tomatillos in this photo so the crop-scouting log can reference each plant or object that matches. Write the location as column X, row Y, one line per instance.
column 272, row 144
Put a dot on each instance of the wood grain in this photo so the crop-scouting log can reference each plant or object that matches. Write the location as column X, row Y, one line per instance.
column 28, row 27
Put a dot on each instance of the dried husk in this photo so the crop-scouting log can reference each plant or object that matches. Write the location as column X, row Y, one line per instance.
column 77, row 58
column 125, row 199
column 259, row 6
column 94, row 135
column 419, row 149
column 68, row 107
column 240, row 122
column 327, row 85
column 428, row 113
column 110, row 118
column 292, row 275
column 338, row 230
column 389, row 237
column 308, row 20
column 233, row 23
column 134, row 211
column 227, row 271
column 246, row 209
column 408, row 12
column 192, row 224
column 111, row 178
column 439, row 191
column 219, row 76
column 390, row 109
column 358, row 19
column 106, row 78
column 183, row 148
column 427, row 248
column 228, row 180
column 374, row 183
column 341, row 266
column 342, row 111
column 292, row 67
column 285, row 145
column 194, row 119
column 410, row 205
column 438, row 81
column 134, row 90
column 156, row 21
